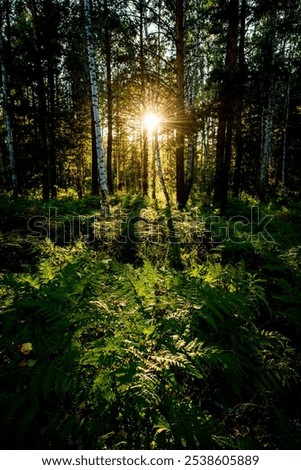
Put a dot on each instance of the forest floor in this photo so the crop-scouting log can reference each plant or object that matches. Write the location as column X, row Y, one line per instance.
column 151, row 328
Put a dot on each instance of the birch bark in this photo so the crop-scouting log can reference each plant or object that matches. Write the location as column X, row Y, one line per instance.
column 160, row 169
column 95, row 107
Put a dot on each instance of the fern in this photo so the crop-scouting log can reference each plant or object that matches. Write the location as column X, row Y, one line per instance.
column 139, row 357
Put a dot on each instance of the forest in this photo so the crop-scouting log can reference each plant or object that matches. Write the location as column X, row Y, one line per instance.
column 150, row 220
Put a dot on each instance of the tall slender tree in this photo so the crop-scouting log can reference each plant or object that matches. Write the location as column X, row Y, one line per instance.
column 240, row 92
column 42, row 104
column 95, row 106
column 108, row 57
column 142, row 59
column 180, row 136
column 227, row 104
column 7, row 110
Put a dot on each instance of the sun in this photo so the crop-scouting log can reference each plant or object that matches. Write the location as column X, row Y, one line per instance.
column 151, row 121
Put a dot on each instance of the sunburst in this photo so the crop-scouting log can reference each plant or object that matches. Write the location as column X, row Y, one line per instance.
column 151, row 121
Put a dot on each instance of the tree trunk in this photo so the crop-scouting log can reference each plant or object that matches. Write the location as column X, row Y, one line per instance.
column 240, row 100
column 95, row 107
column 154, row 147
column 42, row 107
column 143, row 100
column 51, row 133
column 95, row 176
column 180, row 137
column 266, row 146
column 284, row 141
column 108, row 54
column 192, row 96
column 7, row 116
column 160, row 169
column 226, row 109
column 268, row 104
column 191, row 158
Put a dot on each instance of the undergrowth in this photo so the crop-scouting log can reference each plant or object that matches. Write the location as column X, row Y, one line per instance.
column 104, row 354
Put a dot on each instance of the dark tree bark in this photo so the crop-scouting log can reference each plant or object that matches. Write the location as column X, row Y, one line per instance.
column 7, row 108
column 144, row 147
column 240, row 100
column 285, row 132
column 51, row 43
column 227, row 103
column 268, row 105
column 42, row 106
column 108, row 55
column 51, row 134
column 180, row 137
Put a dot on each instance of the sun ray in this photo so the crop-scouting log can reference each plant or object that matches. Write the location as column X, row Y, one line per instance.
column 151, row 121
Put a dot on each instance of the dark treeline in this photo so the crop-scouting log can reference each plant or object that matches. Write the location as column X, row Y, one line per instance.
column 223, row 75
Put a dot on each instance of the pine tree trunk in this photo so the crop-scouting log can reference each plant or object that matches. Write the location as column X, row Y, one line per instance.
column 193, row 135
column 117, row 155
column 144, row 148
column 51, row 133
column 180, row 137
column 95, row 107
column 108, row 54
column 284, row 142
column 227, row 99
column 154, row 166
column 94, row 176
column 240, row 100
column 268, row 106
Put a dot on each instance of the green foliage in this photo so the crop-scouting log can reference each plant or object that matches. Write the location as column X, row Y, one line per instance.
column 99, row 353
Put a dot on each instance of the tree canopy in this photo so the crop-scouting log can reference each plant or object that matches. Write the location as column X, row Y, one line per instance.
column 223, row 76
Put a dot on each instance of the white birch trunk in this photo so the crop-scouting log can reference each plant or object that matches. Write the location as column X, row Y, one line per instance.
column 95, row 107
column 160, row 169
